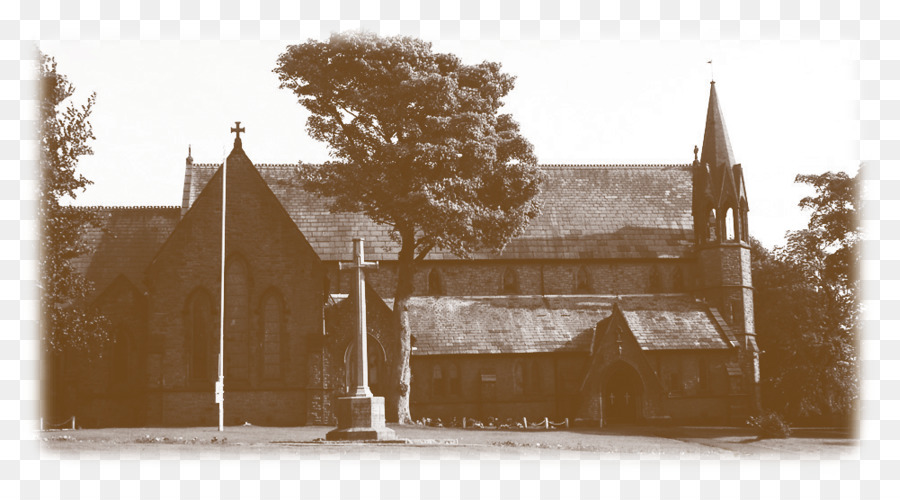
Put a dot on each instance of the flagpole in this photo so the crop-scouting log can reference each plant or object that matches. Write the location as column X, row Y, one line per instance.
column 220, row 385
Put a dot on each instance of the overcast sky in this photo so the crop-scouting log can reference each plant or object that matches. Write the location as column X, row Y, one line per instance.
column 788, row 108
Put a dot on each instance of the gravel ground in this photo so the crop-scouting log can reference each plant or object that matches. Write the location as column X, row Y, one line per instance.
column 712, row 442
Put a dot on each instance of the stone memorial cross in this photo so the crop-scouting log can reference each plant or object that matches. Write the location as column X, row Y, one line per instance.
column 360, row 415
column 360, row 265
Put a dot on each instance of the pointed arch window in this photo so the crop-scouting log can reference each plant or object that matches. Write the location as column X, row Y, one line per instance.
column 655, row 284
column 582, row 280
column 675, row 385
column 703, row 376
column 745, row 232
column 488, row 387
column 272, row 335
column 510, row 281
column 678, row 284
column 518, row 385
column 711, row 224
column 237, row 317
column 437, row 381
column 452, row 380
column 730, row 224
column 200, row 338
column 435, row 283
column 535, row 377
column 375, row 359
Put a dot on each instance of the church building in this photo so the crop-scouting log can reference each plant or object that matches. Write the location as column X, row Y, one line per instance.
column 628, row 300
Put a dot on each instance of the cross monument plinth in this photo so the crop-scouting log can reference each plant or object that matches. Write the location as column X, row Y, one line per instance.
column 361, row 415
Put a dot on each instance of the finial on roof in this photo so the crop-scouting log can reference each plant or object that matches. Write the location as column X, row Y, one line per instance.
column 712, row 79
column 696, row 150
column 189, row 159
column 237, row 129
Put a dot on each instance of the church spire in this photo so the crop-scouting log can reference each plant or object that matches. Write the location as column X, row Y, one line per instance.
column 717, row 151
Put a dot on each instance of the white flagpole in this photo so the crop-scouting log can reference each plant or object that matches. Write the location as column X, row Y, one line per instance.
column 220, row 385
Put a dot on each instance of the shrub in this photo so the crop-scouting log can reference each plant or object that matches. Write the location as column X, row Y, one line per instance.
column 770, row 425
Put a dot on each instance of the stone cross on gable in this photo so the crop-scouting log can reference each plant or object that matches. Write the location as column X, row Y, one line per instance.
column 237, row 129
column 360, row 265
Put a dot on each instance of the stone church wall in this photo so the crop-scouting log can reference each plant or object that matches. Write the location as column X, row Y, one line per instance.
column 259, row 407
column 274, row 261
column 695, row 385
column 727, row 278
column 491, row 385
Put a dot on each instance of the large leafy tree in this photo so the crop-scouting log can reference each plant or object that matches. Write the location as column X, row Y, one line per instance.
column 67, row 320
column 419, row 144
column 807, row 294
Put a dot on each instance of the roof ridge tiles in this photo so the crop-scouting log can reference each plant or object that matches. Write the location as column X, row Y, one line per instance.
column 128, row 207
column 611, row 165
column 541, row 165
column 567, row 296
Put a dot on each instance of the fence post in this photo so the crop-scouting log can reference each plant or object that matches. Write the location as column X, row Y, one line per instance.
column 42, row 423
column 546, row 422
column 73, row 422
column 464, row 422
column 567, row 422
column 525, row 421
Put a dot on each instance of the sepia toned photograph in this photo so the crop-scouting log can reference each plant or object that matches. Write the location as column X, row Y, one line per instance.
column 371, row 243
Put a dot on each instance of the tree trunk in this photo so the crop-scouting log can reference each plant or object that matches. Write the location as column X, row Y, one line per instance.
column 398, row 406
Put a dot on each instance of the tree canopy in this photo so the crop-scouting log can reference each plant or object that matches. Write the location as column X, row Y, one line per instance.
column 808, row 305
column 67, row 320
column 418, row 140
column 419, row 144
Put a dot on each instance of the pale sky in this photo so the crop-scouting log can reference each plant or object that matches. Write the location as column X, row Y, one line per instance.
column 789, row 109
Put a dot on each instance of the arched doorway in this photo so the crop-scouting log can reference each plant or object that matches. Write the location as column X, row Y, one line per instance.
column 377, row 361
column 622, row 394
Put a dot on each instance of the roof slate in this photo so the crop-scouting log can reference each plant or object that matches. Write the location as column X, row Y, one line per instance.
column 661, row 322
column 505, row 324
column 124, row 242
column 590, row 211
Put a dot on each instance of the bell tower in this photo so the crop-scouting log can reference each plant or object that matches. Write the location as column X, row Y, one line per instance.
column 720, row 227
column 723, row 241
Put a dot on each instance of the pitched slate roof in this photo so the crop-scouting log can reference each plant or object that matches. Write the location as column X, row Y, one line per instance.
column 505, row 324
column 590, row 211
column 124, row 242
column 661, row 322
